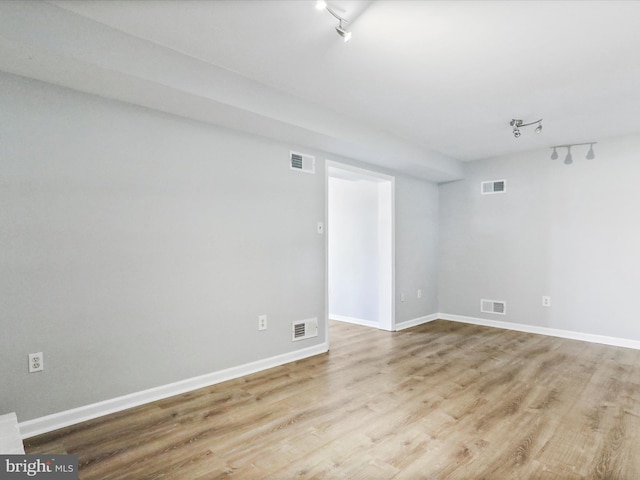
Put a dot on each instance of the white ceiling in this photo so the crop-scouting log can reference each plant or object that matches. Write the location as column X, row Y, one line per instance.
column 418, row 77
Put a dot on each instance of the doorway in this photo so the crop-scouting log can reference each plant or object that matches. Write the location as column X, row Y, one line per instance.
column 360, row 246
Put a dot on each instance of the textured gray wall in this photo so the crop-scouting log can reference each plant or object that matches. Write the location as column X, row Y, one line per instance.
column 568, row 231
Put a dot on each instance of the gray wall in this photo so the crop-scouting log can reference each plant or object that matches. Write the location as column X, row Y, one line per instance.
column 138, row 248
column 568, row 231
column 416, row 242
column 353, row 248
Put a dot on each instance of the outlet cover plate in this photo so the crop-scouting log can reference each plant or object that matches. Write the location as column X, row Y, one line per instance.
column 36, row 362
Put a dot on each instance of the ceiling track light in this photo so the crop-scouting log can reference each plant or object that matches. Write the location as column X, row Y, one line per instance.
column 518, row 124
column 568, row 160
column 341, row 29
column 344, row 33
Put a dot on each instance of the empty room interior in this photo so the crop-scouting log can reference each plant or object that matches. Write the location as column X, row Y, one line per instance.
column 376, row 239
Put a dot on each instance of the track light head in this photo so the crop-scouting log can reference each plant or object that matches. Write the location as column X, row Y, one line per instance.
column 568, row 160
column 517, row 124
column 344, row 33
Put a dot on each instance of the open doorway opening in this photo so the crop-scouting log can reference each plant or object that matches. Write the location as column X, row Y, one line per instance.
column 360, row 246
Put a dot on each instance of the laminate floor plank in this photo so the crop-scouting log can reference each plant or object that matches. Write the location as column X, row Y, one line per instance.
column 443, row 400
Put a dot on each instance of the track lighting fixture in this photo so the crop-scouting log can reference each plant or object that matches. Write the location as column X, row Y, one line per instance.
column 345, row 34
column 341, row 29
column 517, row 124
column 568, row 160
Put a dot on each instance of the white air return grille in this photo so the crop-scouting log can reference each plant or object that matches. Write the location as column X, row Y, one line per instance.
column 302, row 162
column 493, row 306
column 304, row 329
column 493, row 186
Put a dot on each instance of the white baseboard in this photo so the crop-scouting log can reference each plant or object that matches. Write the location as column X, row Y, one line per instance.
column 417, row 321
column 553, row 332
column 357, row 321
column 55, row 421
column 10, row 439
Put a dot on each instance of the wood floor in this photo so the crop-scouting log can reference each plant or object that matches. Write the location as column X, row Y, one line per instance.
column 440, row 401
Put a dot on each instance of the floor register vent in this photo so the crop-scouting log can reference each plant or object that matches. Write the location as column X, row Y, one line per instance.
column 493, row 306
column 304, row 329
column 302, row 162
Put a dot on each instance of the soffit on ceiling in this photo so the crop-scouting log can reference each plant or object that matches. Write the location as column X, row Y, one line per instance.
column 443, row 75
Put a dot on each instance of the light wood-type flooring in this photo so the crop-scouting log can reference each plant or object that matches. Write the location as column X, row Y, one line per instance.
column 443, row 400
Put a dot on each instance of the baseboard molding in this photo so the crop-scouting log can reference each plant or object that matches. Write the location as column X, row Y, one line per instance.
column 553, row 332
column 417, row 321
column 66, row 418
column 55, row 421
column 354, row 320
column 10, row 439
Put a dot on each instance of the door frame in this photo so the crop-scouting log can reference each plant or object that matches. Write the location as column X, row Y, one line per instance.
column 386, row 300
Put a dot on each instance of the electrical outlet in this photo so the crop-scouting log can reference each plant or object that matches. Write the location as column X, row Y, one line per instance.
column 419, row 293
column 262, row 322
column 546, row 301
column 320, row 228
column 36, row 362
column 402, row 297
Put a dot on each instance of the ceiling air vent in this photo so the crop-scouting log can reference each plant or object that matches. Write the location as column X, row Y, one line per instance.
column 302, row 162
column 493, row 306
column 493, row 186
column 304, row 329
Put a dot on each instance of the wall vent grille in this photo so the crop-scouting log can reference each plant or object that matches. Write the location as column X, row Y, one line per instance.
column 302, row 162
column 493, row 186
column 493, row 306
column 304, row 329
